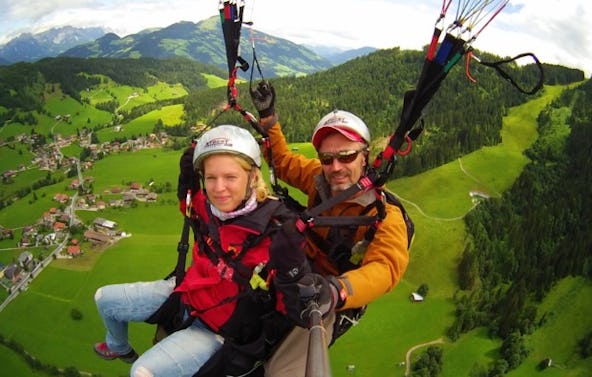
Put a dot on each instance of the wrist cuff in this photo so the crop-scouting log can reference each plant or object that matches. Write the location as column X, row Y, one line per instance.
column 341, row 291
column 269, row 121
column 267, row 112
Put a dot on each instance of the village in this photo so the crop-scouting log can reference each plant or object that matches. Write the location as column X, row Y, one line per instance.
column 58, row 232
column 58, row 228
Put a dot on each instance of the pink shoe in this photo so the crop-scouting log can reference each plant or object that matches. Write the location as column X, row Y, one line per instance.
column 104, row 352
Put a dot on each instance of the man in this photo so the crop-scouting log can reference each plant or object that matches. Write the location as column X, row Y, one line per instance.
column 360, row 265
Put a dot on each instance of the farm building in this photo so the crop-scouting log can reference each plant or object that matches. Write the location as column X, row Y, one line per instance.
column 416, row 297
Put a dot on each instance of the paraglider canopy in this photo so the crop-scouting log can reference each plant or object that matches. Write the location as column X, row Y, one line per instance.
column 231, row 18
column 471, row 17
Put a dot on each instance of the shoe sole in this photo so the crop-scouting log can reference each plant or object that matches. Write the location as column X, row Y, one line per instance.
column 129, row 359
column 124, row 358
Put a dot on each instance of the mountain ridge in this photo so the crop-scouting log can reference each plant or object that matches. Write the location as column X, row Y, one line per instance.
column 30, row 47
column 201, row 41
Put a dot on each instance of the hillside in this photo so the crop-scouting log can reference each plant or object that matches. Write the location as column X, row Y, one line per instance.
column 203, row 42
column 150, row 252
column 374, row 86
column 121, row 129
column 520, row 247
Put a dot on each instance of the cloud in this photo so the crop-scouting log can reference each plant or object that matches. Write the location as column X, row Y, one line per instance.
column 555, row 30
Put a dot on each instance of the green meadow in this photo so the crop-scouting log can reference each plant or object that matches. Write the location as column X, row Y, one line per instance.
column 437, row 200
column 144, row 124
column 565, row 313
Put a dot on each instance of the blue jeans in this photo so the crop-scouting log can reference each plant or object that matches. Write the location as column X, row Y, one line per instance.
column 179, row 354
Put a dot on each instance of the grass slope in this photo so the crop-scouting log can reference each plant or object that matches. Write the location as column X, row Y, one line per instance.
column 566, row 317
column 437, row 200
column 40, row 317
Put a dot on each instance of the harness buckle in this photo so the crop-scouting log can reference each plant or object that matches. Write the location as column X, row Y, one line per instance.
column 225, row 271
column 256, row 280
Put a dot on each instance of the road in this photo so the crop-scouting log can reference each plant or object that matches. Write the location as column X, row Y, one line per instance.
column 408, row 355
column 29, row 276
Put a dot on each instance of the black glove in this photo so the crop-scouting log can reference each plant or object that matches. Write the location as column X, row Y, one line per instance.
column 263, row 97
column 188, row 178
column 315, row 287
column 286, row 251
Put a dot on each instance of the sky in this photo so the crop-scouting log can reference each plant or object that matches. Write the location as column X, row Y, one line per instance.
column 556, row 31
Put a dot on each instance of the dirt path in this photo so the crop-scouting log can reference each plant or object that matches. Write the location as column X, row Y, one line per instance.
column 464, row 171
column 408, row 355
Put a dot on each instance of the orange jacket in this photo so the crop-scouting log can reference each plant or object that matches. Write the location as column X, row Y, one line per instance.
column 386, row 257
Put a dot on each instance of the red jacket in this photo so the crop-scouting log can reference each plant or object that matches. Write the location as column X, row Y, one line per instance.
column 211, row 289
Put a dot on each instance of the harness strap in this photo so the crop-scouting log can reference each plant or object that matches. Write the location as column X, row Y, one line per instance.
column 227, row 265
column 182, row 249
column 230, row 266
column 307, row 218
column 341, row 251
column 497, row 65
column 324, row 221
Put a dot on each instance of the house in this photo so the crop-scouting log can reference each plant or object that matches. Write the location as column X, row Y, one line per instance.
column 142, row 193
column 64, row 218
column 116, row 203
column 6, row 233
column 545, row 363
column 26, row 260
column 58, row 226
column 129, row 197
column 74, row 184
column 416, row 297
column 96, row 237
column 61, row 198
column 73, row 250
column 101, row 223
column 12, row 272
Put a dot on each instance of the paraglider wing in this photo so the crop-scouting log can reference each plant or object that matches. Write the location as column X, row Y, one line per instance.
column 231, row 18
column 433, row 73
column 440, row 58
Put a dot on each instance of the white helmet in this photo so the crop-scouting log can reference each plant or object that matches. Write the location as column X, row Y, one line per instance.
column 343, row 122
column 227, row 139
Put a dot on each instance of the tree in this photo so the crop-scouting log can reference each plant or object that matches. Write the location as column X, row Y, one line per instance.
column 585, row 345
column 423, row 289
column 94, row 139
column 71, row 372
column 76, row 314
column 513, row 350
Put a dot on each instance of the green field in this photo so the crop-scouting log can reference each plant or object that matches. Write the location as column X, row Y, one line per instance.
column 437, row 200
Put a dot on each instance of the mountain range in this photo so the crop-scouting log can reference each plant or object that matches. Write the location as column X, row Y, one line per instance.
column 202, row 42
column 31, row 47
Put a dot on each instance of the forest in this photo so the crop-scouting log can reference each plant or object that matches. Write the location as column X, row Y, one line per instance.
column 518, row 246
column 373, row 87
column 537, row 233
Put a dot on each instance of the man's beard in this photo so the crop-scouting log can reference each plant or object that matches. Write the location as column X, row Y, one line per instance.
column 340, row 186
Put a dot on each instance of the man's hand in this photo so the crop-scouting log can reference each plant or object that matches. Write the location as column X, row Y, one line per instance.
column 263, row 97
column 314, row 287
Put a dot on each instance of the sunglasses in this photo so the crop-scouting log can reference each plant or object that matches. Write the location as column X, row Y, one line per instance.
column 345, row 157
